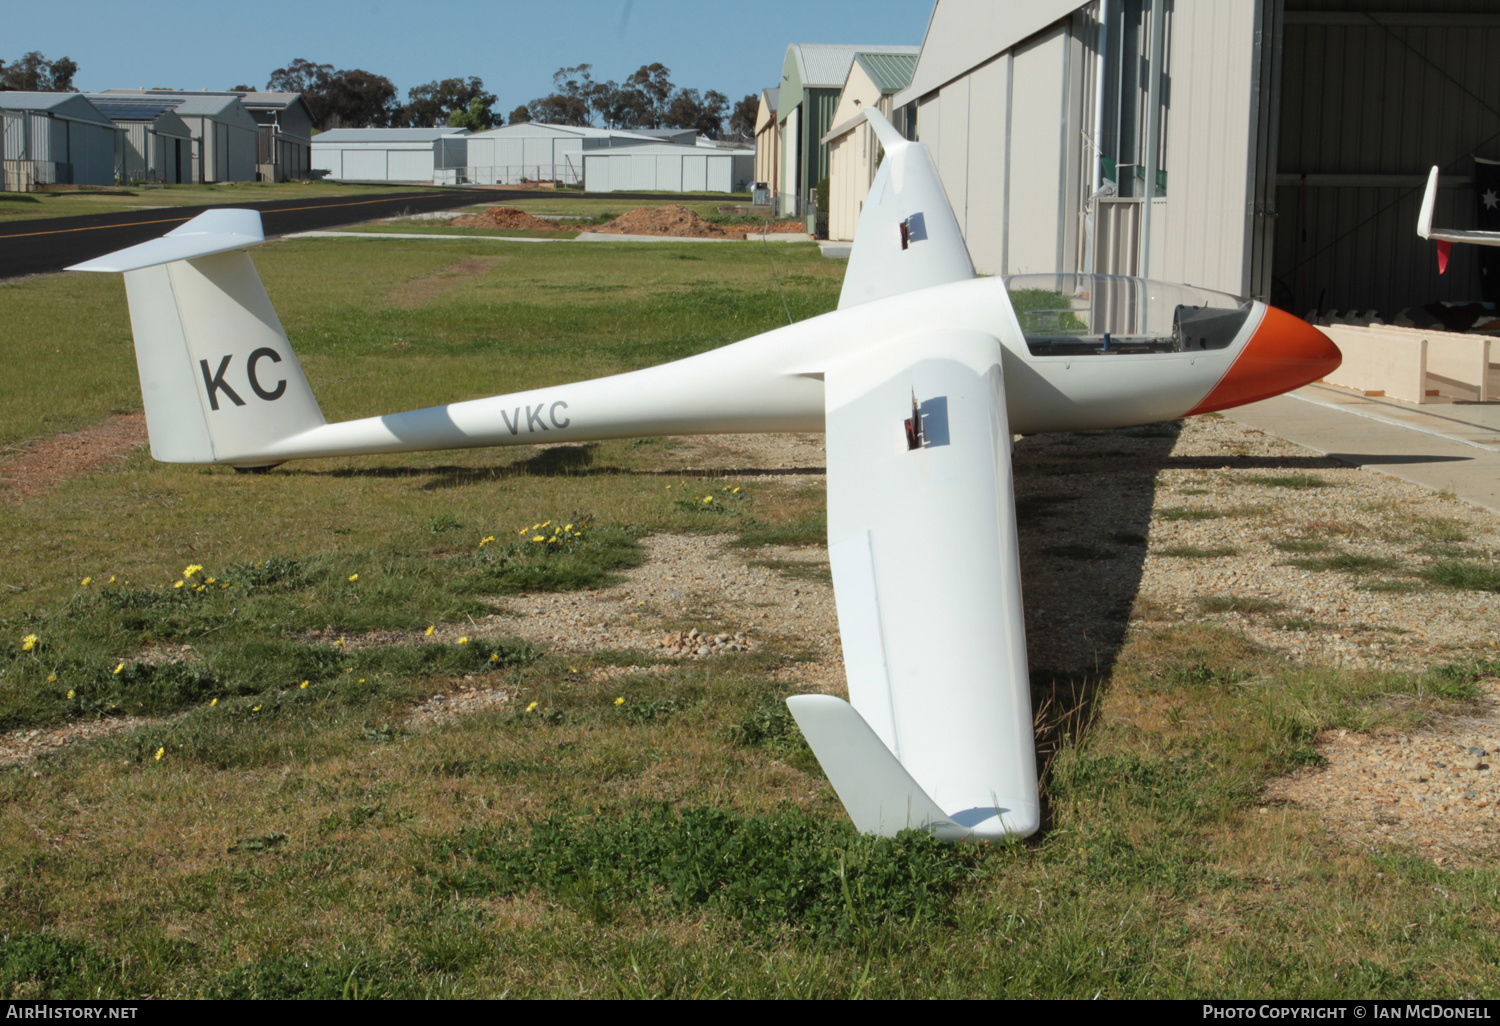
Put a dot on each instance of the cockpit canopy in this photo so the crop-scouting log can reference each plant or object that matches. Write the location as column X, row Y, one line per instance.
column 1101, row 314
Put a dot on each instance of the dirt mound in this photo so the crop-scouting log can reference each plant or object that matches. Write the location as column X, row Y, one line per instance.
column 503, row 217
column 678, row 222
column 781, row 227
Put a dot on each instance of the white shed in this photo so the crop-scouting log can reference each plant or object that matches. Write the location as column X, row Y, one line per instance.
column 668, row 169
column 56, row 138
column 155, row 144
column 537, row 152
column 435, row 155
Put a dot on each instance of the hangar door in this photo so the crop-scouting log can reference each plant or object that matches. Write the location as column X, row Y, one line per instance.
column 1370, row 99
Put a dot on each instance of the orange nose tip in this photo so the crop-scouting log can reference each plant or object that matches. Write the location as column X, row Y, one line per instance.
column 1284, row 353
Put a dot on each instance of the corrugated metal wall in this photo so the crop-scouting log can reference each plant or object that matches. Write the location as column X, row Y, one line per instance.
column 1203, row 224
column 1008, row 145
column 1377, row 97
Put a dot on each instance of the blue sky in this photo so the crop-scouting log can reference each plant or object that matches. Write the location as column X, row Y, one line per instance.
column 514, row 47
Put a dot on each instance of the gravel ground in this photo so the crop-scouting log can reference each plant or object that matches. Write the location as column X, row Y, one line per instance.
column 1118, row 533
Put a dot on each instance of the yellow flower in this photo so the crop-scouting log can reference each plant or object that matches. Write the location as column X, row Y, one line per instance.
column 256, row 709
column 568, row 528
column 547, row 524
column 348, row 669
column 620, row 700
column 198, row 587
column 85, row 582
column 735, row 492
column 111, row 579
column 28, row 643
column 531, row 707
column 486, row 541
column 209, row 580
column 119, row 668
column 463, row 641
column 361, row 680
column 224, row 587
column 430, row 628
column 191, row 570
column 159, row 753
column 353, row 578
column 51, row 678
column 494, row 657
column 337, row 643
column 177, row 585
column 303, row 686
column 71, row 694
column 539, row 538
column 214, row 702
column 708, row 498
column 572, row 669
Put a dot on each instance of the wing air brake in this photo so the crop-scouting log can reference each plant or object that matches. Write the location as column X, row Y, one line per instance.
column 926, row 574
column 907, row 237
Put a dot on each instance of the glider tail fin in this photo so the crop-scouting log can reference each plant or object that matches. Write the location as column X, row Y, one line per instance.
column 219, row 380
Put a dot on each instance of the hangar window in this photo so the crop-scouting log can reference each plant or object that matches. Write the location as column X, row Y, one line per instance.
column 1101, row 314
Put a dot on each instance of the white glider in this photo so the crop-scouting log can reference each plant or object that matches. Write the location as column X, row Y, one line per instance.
column 1446, row 237
column 919, row 378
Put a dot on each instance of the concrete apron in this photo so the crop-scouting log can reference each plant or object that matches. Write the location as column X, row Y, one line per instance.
column 1448, row 446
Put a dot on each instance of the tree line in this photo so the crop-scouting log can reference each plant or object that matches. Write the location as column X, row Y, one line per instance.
column 355, row 98
column 34, row 73
column 647, row 99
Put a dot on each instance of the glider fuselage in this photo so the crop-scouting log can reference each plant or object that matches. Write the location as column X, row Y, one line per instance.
column 773, row 382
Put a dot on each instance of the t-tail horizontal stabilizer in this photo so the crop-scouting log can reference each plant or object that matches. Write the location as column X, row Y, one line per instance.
column 219, row 380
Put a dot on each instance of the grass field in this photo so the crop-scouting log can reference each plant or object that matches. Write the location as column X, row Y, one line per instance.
column 22, row 206
column 275, row 828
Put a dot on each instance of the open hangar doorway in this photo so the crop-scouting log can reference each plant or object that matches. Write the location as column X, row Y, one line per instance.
column 1371, row 95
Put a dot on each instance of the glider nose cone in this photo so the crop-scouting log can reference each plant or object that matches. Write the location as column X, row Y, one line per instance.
column 1284, row 353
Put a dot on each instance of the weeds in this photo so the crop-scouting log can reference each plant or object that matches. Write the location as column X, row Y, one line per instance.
column 1294, row 481
column 1238, row 604
column 1347, row 563
column 1463, row 575
column 1197, row 551
column 1300, row 545
column 1189, row 513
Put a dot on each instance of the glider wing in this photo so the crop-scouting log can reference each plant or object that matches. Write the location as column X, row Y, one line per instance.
column 926, row 574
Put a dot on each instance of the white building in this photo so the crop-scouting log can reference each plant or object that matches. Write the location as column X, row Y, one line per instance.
column 427, row 155
column 55, row 138
column 1274, row 148
column 155, row 144
column 668, row 168
column 533, row 151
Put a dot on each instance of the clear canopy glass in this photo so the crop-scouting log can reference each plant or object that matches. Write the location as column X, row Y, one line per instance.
column 1100, row 314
